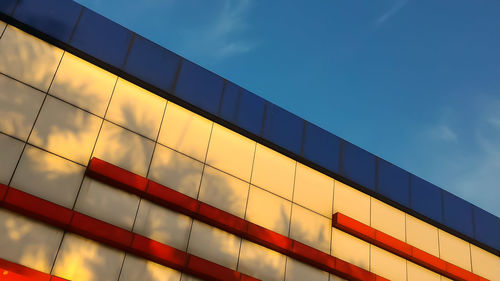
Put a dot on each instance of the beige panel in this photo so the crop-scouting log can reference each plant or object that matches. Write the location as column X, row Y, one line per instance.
column 350, row 249
column 3, row 25
column 422, row 235
column 10, row 151
column 27, row 242
column 336, row 278
column 388, row 219
column 485, row 264
column 19, row 105
column 65, row 130
column 418, row 273
column 163, row 225
column 83, row 84
column 224, row 191
column 260, row 262
column 186, row 277
column 351, row 202
column 445, row 279
column 136, row 109
column 310, row 228
column 48, row 176
column 231, row 152
column 28, row 59
column 176, row 170
column 273, row 171
column 80, row 259
column 455, row 250
column 135, row 269
column 297, row 271
column 313, row 190
column 387, row 265
column 185, row 131
column 268, row 210
column 214, row 245
column 124, row 148
column 107, row 203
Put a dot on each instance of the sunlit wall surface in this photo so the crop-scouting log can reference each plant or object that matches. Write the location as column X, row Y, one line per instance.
column 58, row 111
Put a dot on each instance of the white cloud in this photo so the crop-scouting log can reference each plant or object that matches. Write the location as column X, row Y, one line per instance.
column 396, row 7
column 443, row 133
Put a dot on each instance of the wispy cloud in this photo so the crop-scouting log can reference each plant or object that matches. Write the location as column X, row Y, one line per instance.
column 396, row 7
column 443, row 133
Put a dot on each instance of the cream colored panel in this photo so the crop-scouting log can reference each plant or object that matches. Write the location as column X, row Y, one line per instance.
column 418, row 273
column 107, row 203
column 163, row 225
column 350, row 249
column 231, row 152
column 65, row 130
column 10, row 151
column 310, row 228
column 28, row 59
column 297, row 271
column 135, row 269
column 485, row 264
column 80, row 259
column 185, row 131
column 313, row 190
column 268, row 210
column 336, row 278
column 19, row 105
column 136, row 109
column 176, row 170
column 454, row 250
column 273, row 171
column 83, row 84
column 422, row 235
column 186, row 277
column 387, row 219
column 387, row 265
column 224, row 191
column 3, row 25
column 260, row 262
column 351, row 202
column 214, row 245
column 48, row 176
column 445, row 279
column 27, row 242
column 124, row 148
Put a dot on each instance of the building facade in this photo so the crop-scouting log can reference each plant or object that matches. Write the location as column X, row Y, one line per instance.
column 121, row 160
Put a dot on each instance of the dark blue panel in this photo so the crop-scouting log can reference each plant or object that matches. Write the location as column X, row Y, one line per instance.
column 426, row 199
column 250, row 114
column 393, row 182
column 199, row 87
column 487, row 228
column 457, row 214
column 283, row 128
column 102, row 38
column 358, row 165
column 152, row 63
column 229, row 104
column 56, row 18
column 321, row 147
column 6, row 6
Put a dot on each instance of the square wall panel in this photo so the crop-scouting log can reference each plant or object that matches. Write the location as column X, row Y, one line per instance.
column 231, row 152
column 250, row 113
column 28, row 242
column 321, row 147
column 387, row 265
column 229, row 103
column 185, row 131
column 90, row 90
column 351, row 202
column 19, row 105
column 485, row 264
column 135, row 268
column 10, row 151
column 422, row 235
column 297, row 271
column 388, row 219
column 273, row 171
column 3, row 25
column 224, row 191
column 350, row 249
column 310, row 228
column 136, row 109
column 162, row 225
column 107, row 203
column 283, row 128
column 65, row 130
column 80, row 259
column 268, row 210
column 457, row 213
column 176, row 170
column 28, row 59
column 260, row 262
column 186, row 277
column 426, row 198
column 123, row 148
column 454, row 250
column 393, row 182
column 214, row 245
column 358, row 165
column 313, row 190
column 418, row 273
column 48, row 176
column 336, row 278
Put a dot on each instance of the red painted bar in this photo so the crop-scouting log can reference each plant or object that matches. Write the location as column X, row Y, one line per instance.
column 10, row 271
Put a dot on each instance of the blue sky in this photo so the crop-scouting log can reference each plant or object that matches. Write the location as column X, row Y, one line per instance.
column 417, row 82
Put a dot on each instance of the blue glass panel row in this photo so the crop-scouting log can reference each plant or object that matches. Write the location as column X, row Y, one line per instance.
column 486, row 227
column 7, row 6
column 393, row 182
column 426, row 199
column 321, row 147
column 358, row 165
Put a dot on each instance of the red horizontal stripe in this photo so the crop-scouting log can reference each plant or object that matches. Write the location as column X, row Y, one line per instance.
column 402, row 249
column 10, row 271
